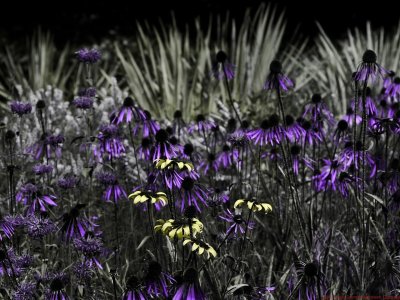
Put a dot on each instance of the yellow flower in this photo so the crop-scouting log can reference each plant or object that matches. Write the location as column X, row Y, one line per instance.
column 172, row 163
column 254, row 205
column 180, row 229
column 142, row 197
column 201, row 247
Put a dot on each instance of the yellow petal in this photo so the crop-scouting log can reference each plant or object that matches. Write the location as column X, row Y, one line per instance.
column 238, row 203
column 201, row 250
column 212, row 251
column 195, row 246
column 186, row 242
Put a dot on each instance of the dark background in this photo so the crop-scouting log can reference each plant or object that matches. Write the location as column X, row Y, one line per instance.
column 88, row 21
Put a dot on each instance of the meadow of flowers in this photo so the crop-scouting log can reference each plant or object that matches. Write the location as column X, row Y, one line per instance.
column 284, row 195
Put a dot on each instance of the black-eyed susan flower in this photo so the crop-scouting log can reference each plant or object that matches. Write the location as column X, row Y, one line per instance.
column 201, row 247
column 144, row 196
column 182, row 228
column 255, row 206
column 165, row 163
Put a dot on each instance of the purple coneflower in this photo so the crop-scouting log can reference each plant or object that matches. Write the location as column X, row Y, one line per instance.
column 156, row 281
column 276, row 79
column 56, row 286
column 329, row 173
column 312, row 135
column 192, row 192
column 270, row 132
column 209, row 164
column 134, row 290
column 162, row 147
column 222, row 68
column 20, row 108
column 114, row 191
column 144, row 150
column 345, row 182
column 350, row 118
column 88, row 56
column 8, row 225
column 188, row 287
column 368, row 70
column 348, row 157
column 227, row 157
column 295, row 151
column 31, row 197
column 238, row 223
column 145, row 124
column 127, row 112
column 370, row 106
column 293, row 131
column 109, row 142
column 201, row 125
column 25, row 291
column 46, row 145
column 72, row 224
column 317, row 110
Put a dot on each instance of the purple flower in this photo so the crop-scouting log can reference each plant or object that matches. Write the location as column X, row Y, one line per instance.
column 370, row 106
column 156, row 281
column 295, row 152
column 144, row 150
column 318, row 111
column 368, row 70
column 114, row 192
column 83, row 102
column 56, row 285
column 72, row 224
column 312, row 134
column 30, row 196
column 329, row 173
column 270, row 132
column 222, row 68
column 350, row 118
column 188, row 287
column 39, row 226
column 20, row 108
column 68, row 182
column 145, row 124
column 348, row 157
column 227, row 157
column 201, row 125
column 191, row 193
column 236, row 222
column 46, row 145
column 162, row 147
column 8, row 225
column 276, row 79
column 88, row 56
column 41, row 169
column 346, row 182
column 294, row 132
column 134, row 290
column 209, row 165
column 83, row 271
column 109, row 142
column 25, row 291
column 127, row 112
column 91, row 247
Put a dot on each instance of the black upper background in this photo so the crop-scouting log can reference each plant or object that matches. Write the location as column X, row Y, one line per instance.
column 88, row 21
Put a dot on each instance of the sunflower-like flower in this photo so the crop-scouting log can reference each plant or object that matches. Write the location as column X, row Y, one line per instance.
column 201, row 247
column 181, row 228
column 255, row 206
column 154, row 197
column 163, row 163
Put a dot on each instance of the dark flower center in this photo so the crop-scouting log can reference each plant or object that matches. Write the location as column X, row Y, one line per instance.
column 395, row 164
column 391, row 73
column 190, row 212
column 40, row 104
column 188, row 149
column 177, row 114
column 10, row 135
column 132, row 283
column 349, row 111
column 187, row 184
column 343, row 176
column 146, row 142
column 200, row 118
column 289, row 120
column 154, row 270
column 396, row 80
column 226, row 148
column 359, row 146
column 56, row 285
column 383, row 103
column 295, row 150
column 190, row 275
column 274, row 120
column 238, row 219
column 264, row 124
column 316, row 98
column 342, row 125
column 173, row 140
column 221, row 57
column 74, row 213
column 231, row 126
column 368, row 91
column 311, row 269
column 369, row 57
column 245, row 124
column 128, row 102
column 275, row 67
column 306, row 125
column 211, row 157
column 162, row 136
column 396, row 196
